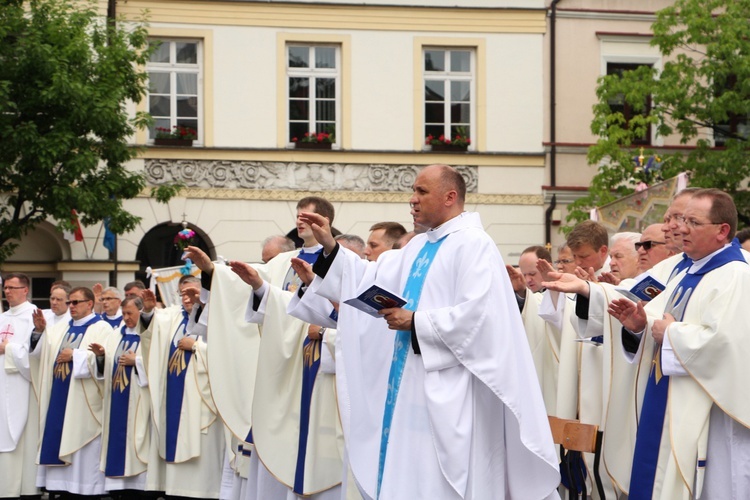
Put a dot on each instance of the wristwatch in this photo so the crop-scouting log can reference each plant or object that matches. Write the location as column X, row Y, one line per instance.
column 321, row 332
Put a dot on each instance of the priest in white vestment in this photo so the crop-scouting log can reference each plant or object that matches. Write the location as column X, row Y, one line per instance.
column 693, row 440
column 458, row 413
column 70, row 401
column 126, row 414
column 18, row 403
column 189, row 434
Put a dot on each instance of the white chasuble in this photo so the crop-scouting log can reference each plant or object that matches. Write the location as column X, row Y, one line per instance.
column 544, row 341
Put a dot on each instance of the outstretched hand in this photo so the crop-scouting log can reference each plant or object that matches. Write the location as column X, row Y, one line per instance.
column 609, row 278
column 321, row 229
column 199, row 258
column 247, row 273
column 517, row 280
column 149, row 300
column 39, row 322
column 544, row 269
column 303, row 270
column 97, row 349
column 586, row 274
column 566, row 283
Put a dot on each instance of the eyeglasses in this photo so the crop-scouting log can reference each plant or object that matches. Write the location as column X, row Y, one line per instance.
column 563, row 261
column 76, row 302
column 692, row 223
column 648, row 244
column 13, row 287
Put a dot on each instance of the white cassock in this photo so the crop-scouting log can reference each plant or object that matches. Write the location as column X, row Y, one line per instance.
column 52, row 319
column 80, row 439
column 199, row 444
column 134, row 419
column 469, row 420
column 280, row 400
column 544, row 341
column 707, row 416
column 18, row 404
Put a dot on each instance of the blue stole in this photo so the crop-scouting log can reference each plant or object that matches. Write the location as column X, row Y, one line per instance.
column 114, row 323
column 402, row 342
column 49, row 453
column 118, row 415
column 310, row 366
column 651, row 424
column 685, row 263
column 176, row 370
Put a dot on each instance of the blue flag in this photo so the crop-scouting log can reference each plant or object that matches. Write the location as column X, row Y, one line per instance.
column 109, row 236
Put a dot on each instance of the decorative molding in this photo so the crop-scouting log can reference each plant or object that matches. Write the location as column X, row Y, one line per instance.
column 274, row 176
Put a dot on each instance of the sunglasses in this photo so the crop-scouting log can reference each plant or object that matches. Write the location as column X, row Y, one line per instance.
column 76, row 302
column 647, row 244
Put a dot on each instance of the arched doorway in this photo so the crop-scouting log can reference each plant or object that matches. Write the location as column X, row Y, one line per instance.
column 157, row 248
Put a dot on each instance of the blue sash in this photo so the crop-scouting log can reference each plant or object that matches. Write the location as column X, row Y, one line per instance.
column 402, row 342
column 118, row 415
column 49, row 453
column 651, row 424
column 114, row 323
column 176, row 370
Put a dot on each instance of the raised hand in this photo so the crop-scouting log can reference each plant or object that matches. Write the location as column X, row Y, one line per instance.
column 149, row 300
column 199, row 258
column 39, row 322
column 631, row 315
column 303, row 270
column 517, row 281
column 247, row 273
column 97, row 349
column 321, row 228
column 544, row 269
column 588, row 275
column 609, row 278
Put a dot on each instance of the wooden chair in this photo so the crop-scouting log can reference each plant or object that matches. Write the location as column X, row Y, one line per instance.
column 575, row 437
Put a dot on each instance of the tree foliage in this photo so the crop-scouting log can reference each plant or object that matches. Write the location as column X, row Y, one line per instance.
column 65, row 78
column 704, row 84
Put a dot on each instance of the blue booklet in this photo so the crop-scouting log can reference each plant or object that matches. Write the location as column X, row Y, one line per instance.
column 646, row 288
column 374, row 299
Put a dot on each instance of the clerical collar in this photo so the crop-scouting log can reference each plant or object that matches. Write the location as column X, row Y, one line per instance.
column 312, row 249
column 604, row 266
column 130, row 331
column 20, row 307
column 83, row 321
column 698, row 264
column 117, row 315
column 461, row 221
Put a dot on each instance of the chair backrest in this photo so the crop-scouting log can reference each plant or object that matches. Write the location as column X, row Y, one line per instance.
column 557, row 425
column 580, row 437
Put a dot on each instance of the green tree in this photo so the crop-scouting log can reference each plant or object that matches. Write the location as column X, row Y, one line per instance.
column 65, row 78
column 702, row 93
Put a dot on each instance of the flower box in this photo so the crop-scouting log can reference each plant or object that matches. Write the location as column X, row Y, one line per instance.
column 182, row 143
column 313, row 145
column 449, row 147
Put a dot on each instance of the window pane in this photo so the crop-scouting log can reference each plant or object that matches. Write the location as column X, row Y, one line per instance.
column 299, row 109
column 187, row 106
column 460, row 91
column 433, row 130
column 434, row 90
column 462, row 130
column 461, row 61
column 187, row 83
column 159, row 123
column 158, row 83
column 434, row 60
column 161, row 53
column 327, row 127
column 187, row 52
column 325, row 88
column 193, row 124
column 325, row 57
column 298, row 87
column 460, row 113
column 325, row 110
column 159, row 106
column 298, row 129
column 434, row 113
column 299, row 57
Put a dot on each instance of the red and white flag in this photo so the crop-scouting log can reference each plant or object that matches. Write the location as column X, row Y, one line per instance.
column 77, row 234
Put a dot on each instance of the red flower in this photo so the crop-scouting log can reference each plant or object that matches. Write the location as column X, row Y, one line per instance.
column 294, row 139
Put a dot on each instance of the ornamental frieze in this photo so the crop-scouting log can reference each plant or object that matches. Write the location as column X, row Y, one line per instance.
column 293, row 176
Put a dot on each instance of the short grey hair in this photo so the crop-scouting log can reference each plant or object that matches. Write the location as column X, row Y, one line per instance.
column 118, row 293
column 627, row 236
column 353, row 240
column 286, row 244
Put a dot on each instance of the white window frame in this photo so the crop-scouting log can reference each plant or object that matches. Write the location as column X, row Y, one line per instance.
column 448, row 76
column 313, row 73
column 173, row 68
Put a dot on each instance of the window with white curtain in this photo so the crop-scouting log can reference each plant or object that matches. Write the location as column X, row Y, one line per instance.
column 174, row 90
column 449, row 89
column 314, row 90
